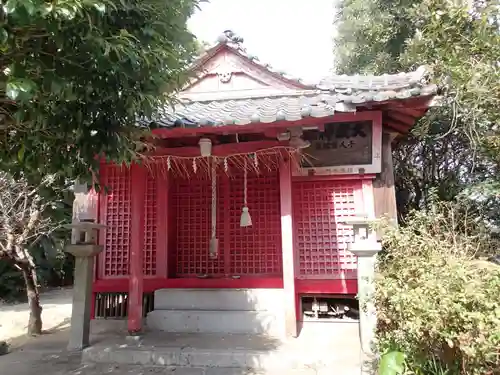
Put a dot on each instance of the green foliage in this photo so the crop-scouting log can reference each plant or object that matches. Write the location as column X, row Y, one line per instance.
column 41, row 240
column 371, row 35
column 461, row 42
column 458, row 144
column 391, row 363
column 53, row 266
column 12, row 286
column 75, row 76
column 443, row 166
column 437, row 301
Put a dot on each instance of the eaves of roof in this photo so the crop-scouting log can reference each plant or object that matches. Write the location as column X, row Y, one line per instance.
column 337, row 93
column 290, row 106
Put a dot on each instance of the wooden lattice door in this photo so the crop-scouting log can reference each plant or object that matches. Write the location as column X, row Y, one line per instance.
column 252, row 251
column 115, row 213
column 320, row 238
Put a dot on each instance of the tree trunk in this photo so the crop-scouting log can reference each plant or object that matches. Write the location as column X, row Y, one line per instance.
column 35, row 320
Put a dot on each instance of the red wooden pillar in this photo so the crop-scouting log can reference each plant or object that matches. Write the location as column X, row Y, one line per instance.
column 162, row 224
column 287, row 249
column 138, row 196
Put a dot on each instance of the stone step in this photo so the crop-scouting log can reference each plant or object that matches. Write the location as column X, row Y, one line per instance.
column 141, row 370
column 233, row 361
column 249, row 322
column 339, row 330
column 309, row 371
column 321, row 349
column 219, row 299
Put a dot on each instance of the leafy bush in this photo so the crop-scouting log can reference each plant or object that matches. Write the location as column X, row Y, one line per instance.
column 438, row 301
column 54, row 267
column 12, row 286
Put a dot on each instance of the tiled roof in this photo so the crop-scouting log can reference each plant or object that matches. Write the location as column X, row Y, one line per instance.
column 245, row 111
column 287, row 107
column 359, row 89
column 386, row 82
column 339, row 93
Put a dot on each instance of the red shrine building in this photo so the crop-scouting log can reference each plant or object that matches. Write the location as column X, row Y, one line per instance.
column 233, row 221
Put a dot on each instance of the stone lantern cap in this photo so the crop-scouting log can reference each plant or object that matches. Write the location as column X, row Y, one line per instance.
column 358, row 221
column 364, row 249
column 84, row 246
column 85, row 226
column 84, row 250
column 365, row 243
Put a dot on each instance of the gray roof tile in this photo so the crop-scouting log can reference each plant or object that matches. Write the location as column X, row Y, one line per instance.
column 338, row 93
column 245, row 111
column 289, row 107
column 386, row 82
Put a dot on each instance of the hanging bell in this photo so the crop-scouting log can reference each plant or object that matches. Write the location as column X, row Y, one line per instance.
column 213, row 248
column 246, row 219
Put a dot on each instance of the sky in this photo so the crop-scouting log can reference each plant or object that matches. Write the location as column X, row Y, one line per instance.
column 292, row 35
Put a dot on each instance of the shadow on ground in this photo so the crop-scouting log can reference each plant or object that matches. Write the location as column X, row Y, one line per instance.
column 44, row 354
column 164, row 352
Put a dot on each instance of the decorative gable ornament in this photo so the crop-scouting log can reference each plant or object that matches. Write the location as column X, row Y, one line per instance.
column 230, row 37
column 224, row 76
column 227, row 71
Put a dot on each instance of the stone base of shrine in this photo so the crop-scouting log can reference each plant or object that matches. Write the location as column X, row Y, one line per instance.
column 321, row 348
column 238, row 311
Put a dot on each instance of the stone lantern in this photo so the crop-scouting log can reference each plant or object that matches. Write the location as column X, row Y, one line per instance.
column 365, row 246
column 84, row 247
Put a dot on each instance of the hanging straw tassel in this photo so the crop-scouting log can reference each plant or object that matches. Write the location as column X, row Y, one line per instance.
column 246, row 219
column 214, row 242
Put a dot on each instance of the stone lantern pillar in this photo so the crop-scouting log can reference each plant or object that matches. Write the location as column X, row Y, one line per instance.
column 365, row 246
column 84, row 247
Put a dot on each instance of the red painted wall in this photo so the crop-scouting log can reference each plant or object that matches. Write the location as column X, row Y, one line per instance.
column 177, row 214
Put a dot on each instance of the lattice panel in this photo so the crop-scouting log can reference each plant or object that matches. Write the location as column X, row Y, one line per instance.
column 117, row 220
column 255, row 250
column 191, row 202
column 321, row 241
column 150, row 226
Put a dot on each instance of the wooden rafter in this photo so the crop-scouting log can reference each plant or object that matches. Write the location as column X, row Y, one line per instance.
column 409, row 111
column 407, row 120
column 397, row 126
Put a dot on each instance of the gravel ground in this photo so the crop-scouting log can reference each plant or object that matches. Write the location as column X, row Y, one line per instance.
column 47, row 354
column 56, row 315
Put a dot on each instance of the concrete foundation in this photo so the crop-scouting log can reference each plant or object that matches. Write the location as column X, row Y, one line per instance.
column 251, row 322
column 219, row 299
column 250, row 311
column 321, row 348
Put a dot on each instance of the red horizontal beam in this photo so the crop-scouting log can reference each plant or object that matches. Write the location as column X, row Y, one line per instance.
column 250, row 282
column 342, row 177
column 150, row 285
column 263, row 127
column 112, row 285
column 221, row 150
column 336, row 286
